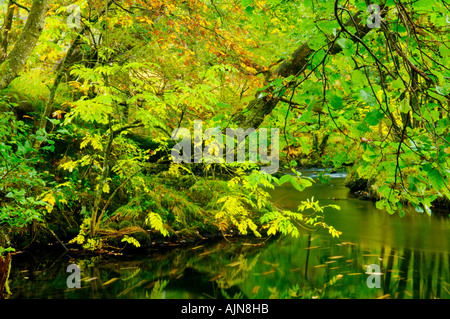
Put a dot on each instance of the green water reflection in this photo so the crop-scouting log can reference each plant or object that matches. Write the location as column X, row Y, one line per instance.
column 412, row 253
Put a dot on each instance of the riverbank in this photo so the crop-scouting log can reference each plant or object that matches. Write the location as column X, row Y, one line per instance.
column 185, row 204
column 366, row 189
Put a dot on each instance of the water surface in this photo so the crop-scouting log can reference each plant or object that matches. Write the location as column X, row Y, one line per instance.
column 412, row 254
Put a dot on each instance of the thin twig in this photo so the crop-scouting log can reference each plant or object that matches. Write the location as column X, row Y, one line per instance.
column 20, row 6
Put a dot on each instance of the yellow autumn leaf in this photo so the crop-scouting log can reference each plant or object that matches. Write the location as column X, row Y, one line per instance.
column 105, row 188
column 49, row 199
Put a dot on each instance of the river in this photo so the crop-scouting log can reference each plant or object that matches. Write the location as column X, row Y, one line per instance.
column 377, row 256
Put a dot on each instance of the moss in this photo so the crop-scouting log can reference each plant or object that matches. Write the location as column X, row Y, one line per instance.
column 124, row 224
column 142, row 237
column 204, row 192
column 113, row 225
column 182, row 182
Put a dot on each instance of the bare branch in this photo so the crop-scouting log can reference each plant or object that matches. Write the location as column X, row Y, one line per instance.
column 20, row 6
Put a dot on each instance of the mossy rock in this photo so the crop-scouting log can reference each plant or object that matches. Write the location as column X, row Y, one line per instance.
column 358, row 185
column 355, row 183
column 124, row 224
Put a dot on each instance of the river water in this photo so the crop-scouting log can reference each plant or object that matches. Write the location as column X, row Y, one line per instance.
column 377, row 256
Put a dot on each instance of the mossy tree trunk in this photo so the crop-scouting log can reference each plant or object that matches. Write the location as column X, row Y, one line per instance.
column 4, row 35
column 5, row 266
column 255, row 112
column 19, row 55
column 257, row 109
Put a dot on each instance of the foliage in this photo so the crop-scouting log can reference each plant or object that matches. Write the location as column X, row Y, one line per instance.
column 22, row 186
column 289, row 223
column 250, row 201
column 157, row 290
column 131, row 240
column 341, row 94
column 298, row 292
column 87, row 243
column 387, row 106
column 155, row 221
column 4, row 251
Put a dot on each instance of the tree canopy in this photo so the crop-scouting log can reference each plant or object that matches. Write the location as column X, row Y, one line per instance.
column 91, row 92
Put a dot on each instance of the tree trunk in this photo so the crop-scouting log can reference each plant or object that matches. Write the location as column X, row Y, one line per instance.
column 61, row 69
column 4, row 35
column 261, row 106
column 258, row 108
column 5, row 266
column 19, row 55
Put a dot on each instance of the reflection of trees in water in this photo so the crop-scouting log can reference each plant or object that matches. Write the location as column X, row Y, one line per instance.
column 30, row 273
column 213, row 270
column 413, row 273
column 310, row 266
column 405, row 273
column 421, row 275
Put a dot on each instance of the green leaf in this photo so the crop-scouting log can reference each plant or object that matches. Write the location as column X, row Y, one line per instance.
column 444, row 50
column 434, row 177
column 249, row 9
column 336, row 102
column 284, row 179
column 363, row 127
column 418, row 208
column 317, row 42
column 358, row 77
column 156, row 222
column 404, row 106
column 220, row 104
column 397, row 84
column 300, row 183
column 373, row 117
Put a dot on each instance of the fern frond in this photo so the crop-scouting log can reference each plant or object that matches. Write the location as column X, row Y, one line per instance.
column 155, row 221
